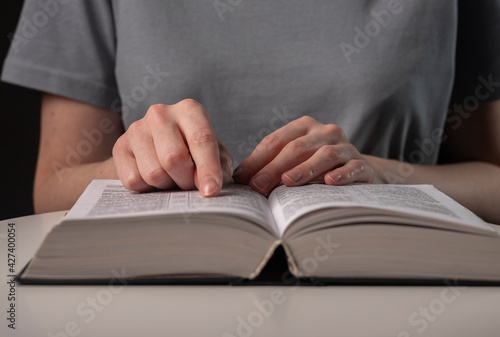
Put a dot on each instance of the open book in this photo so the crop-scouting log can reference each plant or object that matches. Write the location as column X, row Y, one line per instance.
column 329, row 233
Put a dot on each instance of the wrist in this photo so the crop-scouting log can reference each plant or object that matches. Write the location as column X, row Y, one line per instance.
column 389, row 171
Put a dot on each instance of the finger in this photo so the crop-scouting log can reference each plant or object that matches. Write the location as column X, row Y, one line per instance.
column 353, row 171
column 204, row 148
column 267, row 150
column 294, row 153
column 173, row 154
column 273, row 144
column 148, row 164
column 226, row 163
column 127, row 171
column 126, row 168
column 323, row 160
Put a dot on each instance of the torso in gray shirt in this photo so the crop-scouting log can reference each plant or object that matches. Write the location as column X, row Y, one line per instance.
column 380, row 69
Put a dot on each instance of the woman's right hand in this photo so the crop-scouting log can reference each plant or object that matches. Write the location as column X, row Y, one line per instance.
column 173, row 145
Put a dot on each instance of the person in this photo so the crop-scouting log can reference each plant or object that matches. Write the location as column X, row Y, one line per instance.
column 165, row 94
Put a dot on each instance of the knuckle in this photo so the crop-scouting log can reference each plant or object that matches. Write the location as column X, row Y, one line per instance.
column 155, row 176
column 189, row 104
column 157, row 114
column 333, row 129
column 356, row 168
column 136, row 134
column 204, row 136
column 134, row 127
column 303, row 122
column 271, row 140
column 133, row 182
column 307, row 120
column 297, row 147
column 156, row 110
column 359, row 166
column 174, row 158
column 329, row 152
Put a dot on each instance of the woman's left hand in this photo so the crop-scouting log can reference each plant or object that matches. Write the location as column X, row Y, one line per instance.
column 303, row 151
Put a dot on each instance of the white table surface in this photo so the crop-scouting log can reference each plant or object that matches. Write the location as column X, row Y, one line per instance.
column 126, row 310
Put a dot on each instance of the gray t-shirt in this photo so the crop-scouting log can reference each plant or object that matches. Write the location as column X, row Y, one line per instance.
column 382, row 70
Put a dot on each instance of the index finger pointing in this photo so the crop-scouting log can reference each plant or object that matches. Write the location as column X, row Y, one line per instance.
column 204, row 148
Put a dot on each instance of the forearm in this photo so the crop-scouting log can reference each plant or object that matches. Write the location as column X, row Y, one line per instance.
column 476, row 185
column 59, row 189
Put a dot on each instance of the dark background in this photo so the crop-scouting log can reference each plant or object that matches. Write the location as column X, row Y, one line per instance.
column 19, row 131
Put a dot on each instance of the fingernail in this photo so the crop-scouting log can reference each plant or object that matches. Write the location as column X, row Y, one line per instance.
column 336, row 177
column 240, row 174
column 262, row 182
column 209, row 187
column 294, row 175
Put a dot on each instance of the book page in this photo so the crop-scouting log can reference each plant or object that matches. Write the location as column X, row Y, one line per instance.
column 110, row 199
column 289, row 203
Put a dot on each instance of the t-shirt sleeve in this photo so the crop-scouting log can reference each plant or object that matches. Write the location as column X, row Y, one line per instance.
column 478, row 51
column 65, row 48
